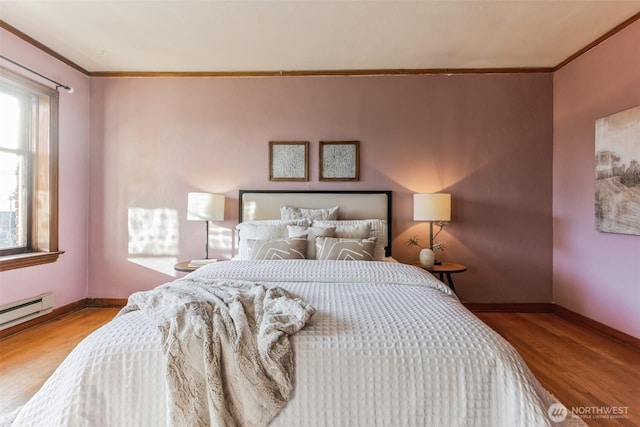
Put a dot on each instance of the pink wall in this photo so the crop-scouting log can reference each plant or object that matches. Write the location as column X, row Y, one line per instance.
column 66, row 278
column 487, row 139
column 594, row 274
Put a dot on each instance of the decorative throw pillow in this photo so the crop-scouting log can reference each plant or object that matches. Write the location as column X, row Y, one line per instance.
column 289, row 212
column 263, row 230
column 275, row 249
column 347, row 229
column 332, row 248
column 353, row 228
column 311, row 234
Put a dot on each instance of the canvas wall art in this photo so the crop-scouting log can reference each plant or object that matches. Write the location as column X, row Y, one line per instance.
column 339, row 160
column 618, row 172
column 288, row 160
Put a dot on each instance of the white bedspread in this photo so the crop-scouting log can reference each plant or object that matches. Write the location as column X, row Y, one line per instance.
column 389, row 345
column 226, row 344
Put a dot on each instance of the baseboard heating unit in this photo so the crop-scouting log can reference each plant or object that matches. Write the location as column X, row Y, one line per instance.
column 26, row 309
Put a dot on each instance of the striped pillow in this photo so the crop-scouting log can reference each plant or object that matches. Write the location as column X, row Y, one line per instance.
column 344, row 249
column 275, row 249
column 351, row 227
column 311, row 234
column 263, row 230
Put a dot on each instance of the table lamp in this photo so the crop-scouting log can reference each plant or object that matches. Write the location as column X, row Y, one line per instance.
column 205, row 207
column 432, row 207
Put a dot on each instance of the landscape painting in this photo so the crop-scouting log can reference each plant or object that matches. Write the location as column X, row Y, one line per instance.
column 618, row 172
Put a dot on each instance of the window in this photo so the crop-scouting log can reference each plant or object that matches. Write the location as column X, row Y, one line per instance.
column 28, row 172
column 15, row 191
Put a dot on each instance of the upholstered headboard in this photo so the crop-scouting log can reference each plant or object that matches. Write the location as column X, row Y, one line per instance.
column 265, row 204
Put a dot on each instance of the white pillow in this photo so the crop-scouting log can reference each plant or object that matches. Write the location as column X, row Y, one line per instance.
column 263, row 230
column 290, row 212
column 329, row 248
column 311, row 233
column 349, row 228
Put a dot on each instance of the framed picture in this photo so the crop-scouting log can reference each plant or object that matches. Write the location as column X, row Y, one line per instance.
column 288, row 160
column 339, row 160
column 618, row 172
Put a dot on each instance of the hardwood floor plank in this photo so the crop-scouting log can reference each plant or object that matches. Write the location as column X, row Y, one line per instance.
column 29, row 357
column 582, row 368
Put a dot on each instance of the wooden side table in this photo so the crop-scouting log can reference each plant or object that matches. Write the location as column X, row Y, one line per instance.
column 446, row 269
column 184, row 267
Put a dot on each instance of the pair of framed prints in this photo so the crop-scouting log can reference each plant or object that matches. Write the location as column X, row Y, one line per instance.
column 338, row 161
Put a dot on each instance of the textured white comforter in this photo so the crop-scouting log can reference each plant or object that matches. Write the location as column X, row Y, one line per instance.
column 389, row 346
column 226, row 342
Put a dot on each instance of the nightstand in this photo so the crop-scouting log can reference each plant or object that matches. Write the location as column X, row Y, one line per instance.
column 187, row 268
column 446, row 269
column 184, row 267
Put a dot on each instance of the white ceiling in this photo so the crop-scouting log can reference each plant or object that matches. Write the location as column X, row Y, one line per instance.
column 303, row 35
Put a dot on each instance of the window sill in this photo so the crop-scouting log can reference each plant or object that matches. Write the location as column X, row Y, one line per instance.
column 11, row 262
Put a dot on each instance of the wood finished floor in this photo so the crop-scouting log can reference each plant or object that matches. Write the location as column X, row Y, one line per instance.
column 29, row 357
column 580, row 367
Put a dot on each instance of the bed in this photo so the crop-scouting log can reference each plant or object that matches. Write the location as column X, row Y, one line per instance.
column 385, row 344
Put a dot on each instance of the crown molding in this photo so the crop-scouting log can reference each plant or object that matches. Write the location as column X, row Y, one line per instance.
column 13, row 30
column 283, row 73
column 308, row 73
column 596, row 42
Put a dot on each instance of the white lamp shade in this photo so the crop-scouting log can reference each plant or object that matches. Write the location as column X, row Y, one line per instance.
column 432, row 207
column 205, row 207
